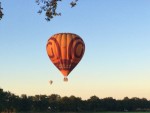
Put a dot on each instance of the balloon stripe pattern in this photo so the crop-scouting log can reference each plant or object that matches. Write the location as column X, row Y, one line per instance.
column 65, row 50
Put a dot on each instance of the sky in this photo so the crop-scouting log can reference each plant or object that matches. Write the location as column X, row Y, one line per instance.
column 116, row 62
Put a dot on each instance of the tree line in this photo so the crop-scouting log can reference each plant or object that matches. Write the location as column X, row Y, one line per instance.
column 55, row 103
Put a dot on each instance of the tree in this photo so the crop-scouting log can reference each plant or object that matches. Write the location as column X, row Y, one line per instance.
column 109, row 104
column 25, row 103
column 9, row 102
column 50, row 6
column 54, row 101
column 65, row 104
column 40, row 102
column 93, row 103
column 47, row 6
column 1, row 13
column 125, row 103
column 75, row 103
column 2, row 100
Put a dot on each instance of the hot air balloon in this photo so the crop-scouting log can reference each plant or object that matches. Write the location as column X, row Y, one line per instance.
column 65, row 50
column 51, row 82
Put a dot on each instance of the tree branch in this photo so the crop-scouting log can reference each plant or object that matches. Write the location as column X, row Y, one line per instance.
column 1, row 13
column 50, row 7
column 47, row 6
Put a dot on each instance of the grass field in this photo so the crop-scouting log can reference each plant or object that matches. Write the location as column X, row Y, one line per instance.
column 82, row 112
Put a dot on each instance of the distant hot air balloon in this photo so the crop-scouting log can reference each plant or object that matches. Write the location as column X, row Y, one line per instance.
column 51, row 82
column 65, row 50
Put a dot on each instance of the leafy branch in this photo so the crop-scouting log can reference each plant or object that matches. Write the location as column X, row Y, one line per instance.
column 47, row 6
column 50, row 6
column 1, row 13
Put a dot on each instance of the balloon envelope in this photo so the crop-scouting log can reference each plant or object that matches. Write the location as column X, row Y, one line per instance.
column 65, row 50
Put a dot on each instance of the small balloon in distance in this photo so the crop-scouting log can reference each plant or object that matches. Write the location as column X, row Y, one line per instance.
column 50, row 82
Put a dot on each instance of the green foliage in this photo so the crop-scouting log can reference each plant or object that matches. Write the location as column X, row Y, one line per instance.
column 47, row 6
column 1, row 13
column 55, row 103
column 50, row 6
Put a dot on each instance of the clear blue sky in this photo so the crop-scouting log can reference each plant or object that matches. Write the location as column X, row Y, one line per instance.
column 116, row 62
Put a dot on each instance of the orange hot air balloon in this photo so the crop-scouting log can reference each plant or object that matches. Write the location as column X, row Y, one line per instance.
column 65, row 50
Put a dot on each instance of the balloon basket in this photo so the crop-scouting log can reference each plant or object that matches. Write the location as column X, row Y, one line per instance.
column 65, row 79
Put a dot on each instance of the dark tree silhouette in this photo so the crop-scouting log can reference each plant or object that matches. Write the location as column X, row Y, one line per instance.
column 1, row 13
column 50, row 7
column 47, row 6
column 93, row 103
column 9, row 102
